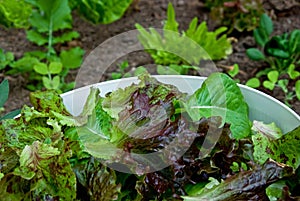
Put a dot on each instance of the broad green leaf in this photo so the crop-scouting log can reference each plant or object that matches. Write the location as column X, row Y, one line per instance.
column 52, row 15
column 255, row 54
column 41, row 68
column 140, row 70
column 36, row 37
column 4, row 88
column 266, row 24
column 220, row 96
column 297, row 89
column 25, row 64
column 72, row 58
column 253, row 82
column 269, row 85
column 55, row 67
column 277, row 53
column 274, row 191
column 273, row 76
column 292, row 72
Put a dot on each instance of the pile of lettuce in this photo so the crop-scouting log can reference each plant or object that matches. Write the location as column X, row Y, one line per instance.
column 204, row 147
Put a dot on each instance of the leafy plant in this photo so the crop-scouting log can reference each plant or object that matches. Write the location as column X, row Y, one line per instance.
column 4, row 88
column 181, row 52
column 281, row 52
column 123, row 71
column 240, row 15
column 6, row 58
column 49, row 67
column 101, row 11
column 15, row 13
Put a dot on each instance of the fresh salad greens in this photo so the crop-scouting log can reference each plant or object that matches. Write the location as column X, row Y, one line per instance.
column 47, row 154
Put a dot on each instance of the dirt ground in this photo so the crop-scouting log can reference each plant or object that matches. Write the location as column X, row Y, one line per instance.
column 151, row 13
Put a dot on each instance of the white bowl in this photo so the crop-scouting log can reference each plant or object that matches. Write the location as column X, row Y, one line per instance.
column 262, row 107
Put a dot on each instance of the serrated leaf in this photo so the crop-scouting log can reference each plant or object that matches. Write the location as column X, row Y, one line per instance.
column 72, row 58
column 41, row 68
column 297, row 89
column 220, row 96
column 253, row 82
column 55, row 67
column 4, row 88
column 36, row 37
column 65, row 37
column 255, row 54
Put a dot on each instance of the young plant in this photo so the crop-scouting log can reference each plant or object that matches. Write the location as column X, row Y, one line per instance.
column 50, row 67
column 281, row 52
column 4, row 88
column 123, row 71
column 181, row 52
column 240, row 15
column 15, row 13
column 6, row 58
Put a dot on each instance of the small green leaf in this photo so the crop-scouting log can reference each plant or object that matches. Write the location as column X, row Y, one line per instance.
column 292, row 73
column 294, row 41
column 41, row 68
column 55, row 67
column 266, row 23
column 47, row 82
column 234, row 71
column 268, row 85
column 4, row 88
column 273, row 76
column 11, row 114
column 115, row 75
column 283, row 85
column 72, row 58
column 297, row 89
column 56, row 82
column 255, row 54
column 253, row 82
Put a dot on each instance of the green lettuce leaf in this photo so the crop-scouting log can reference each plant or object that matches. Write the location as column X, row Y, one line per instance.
column 220, row 96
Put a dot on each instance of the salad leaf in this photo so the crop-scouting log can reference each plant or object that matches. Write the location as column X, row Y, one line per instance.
column 220, row 96
column 285, row 149
column 245, row 185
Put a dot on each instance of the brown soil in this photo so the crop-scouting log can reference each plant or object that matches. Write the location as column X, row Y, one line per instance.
column 151, row 13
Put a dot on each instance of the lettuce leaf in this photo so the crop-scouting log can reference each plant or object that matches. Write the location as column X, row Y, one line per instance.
column 220, row 96
column 285, row 149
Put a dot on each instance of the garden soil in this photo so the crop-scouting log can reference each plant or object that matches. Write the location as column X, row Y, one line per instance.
column 152, row 13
